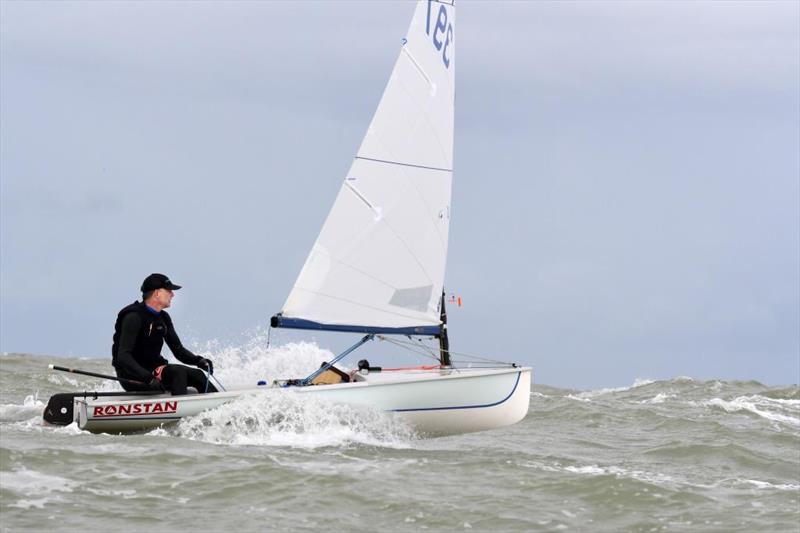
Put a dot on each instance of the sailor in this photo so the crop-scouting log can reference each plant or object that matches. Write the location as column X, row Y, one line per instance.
column 139, row 334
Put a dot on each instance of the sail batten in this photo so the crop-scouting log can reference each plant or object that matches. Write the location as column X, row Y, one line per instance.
column 379, row 260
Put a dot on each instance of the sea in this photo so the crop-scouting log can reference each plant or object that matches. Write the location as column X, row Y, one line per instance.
column 673, row 455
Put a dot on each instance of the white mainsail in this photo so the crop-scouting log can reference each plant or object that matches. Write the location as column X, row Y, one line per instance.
column 379, row 260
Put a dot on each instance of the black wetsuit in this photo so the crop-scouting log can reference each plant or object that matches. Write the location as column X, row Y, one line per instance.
column 139, row 335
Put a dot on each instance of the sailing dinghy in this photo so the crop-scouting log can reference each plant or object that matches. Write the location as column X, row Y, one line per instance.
column 376, row 269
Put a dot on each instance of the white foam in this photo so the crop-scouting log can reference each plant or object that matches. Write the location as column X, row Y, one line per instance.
column 31, row 405
column 116, row 447
column 539, row 466
column 36, row 424
column 283, row 420
column 767, row 485
column 104, row 386
column 596, row 470
column 71, row 429
column 638, row 382
column 290, row 420
column 589, row 394
column 639, row 475
column 578, row 397
column 126, row 494
column 592, row 470
column 32, row 483
column 778, row 401
column 661, row 397
column 757, row 405
column 27, row 504
column 60, row 379
column 241, row 367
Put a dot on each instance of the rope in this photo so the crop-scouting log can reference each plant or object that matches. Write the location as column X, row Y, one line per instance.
column 430, row 351
column 223, row 389
column 325, row 366
column 208, row 378
column 421, row 367
column 421, row 350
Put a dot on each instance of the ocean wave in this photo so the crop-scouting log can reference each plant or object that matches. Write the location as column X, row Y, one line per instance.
column 758, row 405
column 578, row 398
column 670, row 481
column 30, row 406
column 241, row 367
column 780, row 401
column 33, row 483
column 597, row 470
column 785, row 393
column 288, row 420
column 36, row 424
column 69, row 429
column 61, row 380
column 767, row 485
column 588, row 395
column 36, row 488
column 661, row 397
column 125, row 494
column 619, row 472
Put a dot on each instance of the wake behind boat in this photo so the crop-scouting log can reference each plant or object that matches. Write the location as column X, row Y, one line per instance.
column 377, row 269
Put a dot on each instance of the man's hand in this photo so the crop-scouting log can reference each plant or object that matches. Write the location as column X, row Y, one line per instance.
column 206, row 365
column 155, row 384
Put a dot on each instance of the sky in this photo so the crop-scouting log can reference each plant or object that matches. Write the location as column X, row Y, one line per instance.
column 626, row 197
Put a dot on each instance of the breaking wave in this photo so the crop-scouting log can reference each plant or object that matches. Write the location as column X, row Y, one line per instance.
column 282, row 418
column 30, row 406
column 269, row 419
column 241, row 367
column 37, row 488
column 587, row 396
column 776, row 410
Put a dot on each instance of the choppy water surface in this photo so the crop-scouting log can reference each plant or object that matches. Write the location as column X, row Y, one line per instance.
column 679, row 455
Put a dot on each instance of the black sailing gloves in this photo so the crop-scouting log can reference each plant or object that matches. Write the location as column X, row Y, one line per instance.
column 206, row 365
column 155, row 384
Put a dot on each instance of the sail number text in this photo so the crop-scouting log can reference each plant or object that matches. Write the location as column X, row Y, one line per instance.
column 442, row 31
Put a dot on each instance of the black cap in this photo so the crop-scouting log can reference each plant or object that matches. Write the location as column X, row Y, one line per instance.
column 158, row 281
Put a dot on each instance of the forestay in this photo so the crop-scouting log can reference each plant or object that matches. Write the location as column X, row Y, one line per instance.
column 379, row 261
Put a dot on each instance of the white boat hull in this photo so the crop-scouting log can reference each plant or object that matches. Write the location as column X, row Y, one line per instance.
column 436, row 403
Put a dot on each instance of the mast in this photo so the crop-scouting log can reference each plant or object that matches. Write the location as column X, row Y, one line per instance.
column 444, row 342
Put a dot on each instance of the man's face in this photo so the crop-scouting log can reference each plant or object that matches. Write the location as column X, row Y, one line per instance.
column 163, row 297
